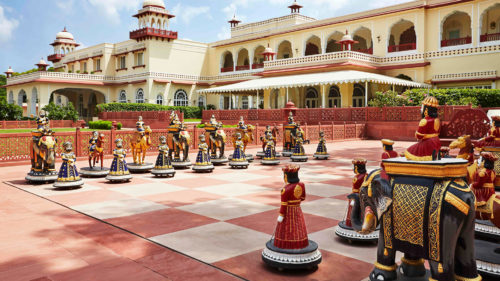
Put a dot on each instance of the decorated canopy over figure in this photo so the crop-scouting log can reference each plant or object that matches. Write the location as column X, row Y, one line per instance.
column 68, row 173
column 289, row 136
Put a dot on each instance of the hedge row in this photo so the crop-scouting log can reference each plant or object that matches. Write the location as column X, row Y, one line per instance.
column 414, row 97
column 189, row 111
column 104, row 125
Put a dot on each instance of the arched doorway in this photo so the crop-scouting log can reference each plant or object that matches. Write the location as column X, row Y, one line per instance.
column 358, row 96
column 180, row 98
column 33, row 102
column 11, row 97
column 334, row 98
column 285, row 50
column 227, row 63
column 243, row 61
column 363, row 36
column 21, row 98
column 84, row 100
column 332, row 45
column 403, row 37
column 313, row 46
column 312, row 98
column 490, row 24
column 258, row 58
column 456, row 29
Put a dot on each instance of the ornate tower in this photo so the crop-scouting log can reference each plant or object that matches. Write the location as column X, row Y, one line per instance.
column 234, row 21
column 295, row 7
column 63, row 44
column 153, row 20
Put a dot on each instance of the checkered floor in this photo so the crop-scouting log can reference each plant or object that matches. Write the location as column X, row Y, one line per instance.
column 225, row 218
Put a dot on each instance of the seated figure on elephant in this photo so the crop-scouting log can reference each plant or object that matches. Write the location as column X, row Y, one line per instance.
column 179, row 140
column 289, row 136
column 246, row 132
column 216, row 141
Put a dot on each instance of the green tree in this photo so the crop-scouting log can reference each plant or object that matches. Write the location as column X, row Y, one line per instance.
column 3, row 91
column 57, row 112
column 10, row 111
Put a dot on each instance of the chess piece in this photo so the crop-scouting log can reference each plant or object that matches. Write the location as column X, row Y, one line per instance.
column 246, row 132
column 96, row 155
column 289, row 136
column 290, row 246
column 68, row 173
column 119, row 170
column 163, row 166
column 203, row 163
column 299, row 154
column 321, row 152
column 178, row 140
column 492, row 139
column 216, row 140
column 139, row 145
column 238, row 161
column 270, row 157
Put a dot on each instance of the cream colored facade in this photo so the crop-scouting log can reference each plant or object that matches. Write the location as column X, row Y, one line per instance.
column 439, row 42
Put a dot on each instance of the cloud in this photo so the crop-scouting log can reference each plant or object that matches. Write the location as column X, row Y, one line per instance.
column 190, row 12
column 65, row 5
column 111, row 8
column 225, row 33
column 7, row 26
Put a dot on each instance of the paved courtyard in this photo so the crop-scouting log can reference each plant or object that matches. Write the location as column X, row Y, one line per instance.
column 190, row 227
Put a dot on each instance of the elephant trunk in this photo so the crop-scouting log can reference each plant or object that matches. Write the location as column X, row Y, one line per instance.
column 356, row 212
column 369, row 221
column 50, row 156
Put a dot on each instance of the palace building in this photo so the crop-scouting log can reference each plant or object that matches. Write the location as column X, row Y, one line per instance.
column 333, row 62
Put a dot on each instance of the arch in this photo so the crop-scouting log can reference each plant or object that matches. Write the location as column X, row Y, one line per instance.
column 358, row 96
column 180, row 98
column 153, row 23
column 11, row 98
column 334, row 97
column 91, row 103
column 274, row 99
column 158, row 24
column 364, row 37
column 456, row 29
column 312, row 46
column 490, row 24
column 285, row 50
column 21, row 97
column 227, row 63
column 402, row 37
column 33, row 101
column 312, row 98
column 258, row 58
column 331, row 42
column 122, row 97
column 139, row 96
column 159, row 99
column 243, row 60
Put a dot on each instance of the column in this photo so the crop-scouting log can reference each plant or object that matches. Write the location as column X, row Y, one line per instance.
column 366, row 93
column 286, row 99
column 258, row 99
column 323, row 96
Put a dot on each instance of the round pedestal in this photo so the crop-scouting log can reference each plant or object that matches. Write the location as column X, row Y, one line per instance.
column 140, row 168
column 219, row 161
column 94, row 172
column 203, row 168
column 321, row 156
column 488, row 258
column 298, row 158
column 308, row 257
column 486, row 229
column 287, row 153
column 181, row 164
column 270, row 162
column 348, row 233
column 118, row 178
column 260, row 154
column 239, row 164
column 40, row 177
column 68, row 184
column 249, row 157
column 163, row 172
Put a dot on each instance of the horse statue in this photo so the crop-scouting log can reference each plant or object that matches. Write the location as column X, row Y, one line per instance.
column 140, row 145
column 466, row 151
column 96, row 152
column 178, row 139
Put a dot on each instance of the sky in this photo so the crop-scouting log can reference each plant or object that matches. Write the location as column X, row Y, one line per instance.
column 27, row 27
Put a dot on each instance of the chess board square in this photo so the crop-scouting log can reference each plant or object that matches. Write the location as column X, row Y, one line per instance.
column 345, row 182
column 182, row 197
column 325, row 190
column 214, row 242
column 232, row 189
column 135, row 180
column 315, row 177
column 160, row 222
column 200, row 181
column 137, row 190
column 326, row 207
column 272, row 197
column 118, row 208
column 226, row 208
column 49, row 190
column 87, row 197
column 270, row 182
column 241, row 176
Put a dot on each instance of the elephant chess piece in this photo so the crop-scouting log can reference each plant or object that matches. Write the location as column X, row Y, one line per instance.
column 290, row 247
column 139, row 144
column 119, row 170
column 42, row 152
column 345, row 228
column 270, row 158
column 289, row 136
column 238, row 159
column 178, row 140
column 216, row 140
column 68, row 177
column 203, row 163
column 321, row 151
column 299, row 154
column 96, row 156
column 163, row 166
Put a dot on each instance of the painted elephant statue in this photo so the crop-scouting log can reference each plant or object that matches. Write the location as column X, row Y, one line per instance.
column 43, row 154
column 178, row 141
column 425, row 218
column 216, row 141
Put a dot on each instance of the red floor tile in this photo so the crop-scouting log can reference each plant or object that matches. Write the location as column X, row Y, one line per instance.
column 87, row 197
column 107, row 184
column 199, row 181
column 182, row 197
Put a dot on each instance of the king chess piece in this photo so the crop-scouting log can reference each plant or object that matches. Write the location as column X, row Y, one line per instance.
column 68, row 177
column 96, row 156
column 345, row 228
column 270, row 157
column 263, row 139
column 139, row 146
column 290, row 247
column 299, row 154
column 321, row 152
column 119, row 170
column 238, row 160
column 203, row 164
column 163, row 166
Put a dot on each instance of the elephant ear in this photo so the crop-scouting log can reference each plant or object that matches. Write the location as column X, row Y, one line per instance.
column 384, row 195
column 383, row 205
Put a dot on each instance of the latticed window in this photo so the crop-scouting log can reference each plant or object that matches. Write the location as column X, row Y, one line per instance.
column 123, row 97
column 180, row 98
column 139, row 96
column 159, row 99
column 244, row 102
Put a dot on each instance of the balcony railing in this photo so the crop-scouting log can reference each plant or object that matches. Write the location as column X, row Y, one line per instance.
column 365, row 51
column 489, row 37
column 149, row 31
column 257, row 65
column 402, row 47
column 242, row 67
column 456, row 42
column 55, row 57
column 227, row 69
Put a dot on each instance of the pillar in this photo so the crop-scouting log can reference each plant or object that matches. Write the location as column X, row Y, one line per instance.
column 366, row 93
column 323, row 102
column 346, row 94
column 257, row 101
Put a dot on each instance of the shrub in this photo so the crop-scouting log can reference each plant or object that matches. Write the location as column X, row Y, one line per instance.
column 103, row 125
column 192, row 112
column 58, row 112
column 10, row 111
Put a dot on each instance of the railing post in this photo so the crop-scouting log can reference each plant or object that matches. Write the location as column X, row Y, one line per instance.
column 333, row 130
column 112, row 137
column 78, row 144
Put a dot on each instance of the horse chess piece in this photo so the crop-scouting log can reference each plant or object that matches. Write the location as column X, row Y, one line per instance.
column 246, row 132
column 96, row 156
column 43, row 155
column 290, row 247
column 203, row 163
column 238, row 161
column 163, row 166
column 68, row 173
column 178, row 140
column 289, row 136
column 321, row 152
column 139, row 145
column 345, row 229
column 299, row 154
column 119, row 170
column 270, row 157
column 216, row 137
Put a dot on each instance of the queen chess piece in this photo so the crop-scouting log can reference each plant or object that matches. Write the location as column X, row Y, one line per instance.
column 163, row 166
column 321, row 151
column 270, row 157
column 299, row 154
column 238, row 160
column 96, row 156
column 203, row 164
column 68, row 177
column 290, row 247
column 119, row 170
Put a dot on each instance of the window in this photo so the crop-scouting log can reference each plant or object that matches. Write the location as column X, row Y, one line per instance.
column 139, row 96
column 59, row 100
column 454, row 34
column 312, row 98
column 140, row 59
column 334, row 99
column 122, row 63
column 80, row 105
column 98, row 64
column 358, row 96
column 159, row 99
column 123, row 97
column 201, row 101
column 244, row 102
column 180, row 98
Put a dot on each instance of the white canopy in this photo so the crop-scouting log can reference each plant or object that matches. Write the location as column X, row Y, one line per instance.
column 313, row 79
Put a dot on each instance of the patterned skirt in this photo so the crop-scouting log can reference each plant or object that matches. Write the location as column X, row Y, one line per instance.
column 68, row 173
column 118, row 167
column 291, row 233
column 298, row 150
column 321, row 149
column 163, row 162
column 203, row 158
column 238, row 155
column 270, row 153
column 422, row 150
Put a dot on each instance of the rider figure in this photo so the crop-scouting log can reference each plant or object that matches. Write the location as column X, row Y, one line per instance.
column 140, row 126
column 213, row 121
column 93, row 141
column 483, row 186
column 241, row 124
column 174, row 119
column 42, row 122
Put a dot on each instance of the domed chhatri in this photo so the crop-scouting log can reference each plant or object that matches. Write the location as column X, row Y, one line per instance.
column 96, row 155
column 270, row 157
column 203, row 163
column 238, row 160
column 321, row 151
column 64, row 35
column 163, row 166
column 68, row 173
column 139, row 145
column 153, row 3
column 299, row 154
column 119, row 170
column 290, row 247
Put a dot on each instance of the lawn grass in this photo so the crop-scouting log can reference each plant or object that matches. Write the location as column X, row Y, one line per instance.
column 9, row 131
column 192, row 120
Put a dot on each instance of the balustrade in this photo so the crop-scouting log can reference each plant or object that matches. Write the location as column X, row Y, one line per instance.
column 402, row 47
column 489, row 37
column 456, row 41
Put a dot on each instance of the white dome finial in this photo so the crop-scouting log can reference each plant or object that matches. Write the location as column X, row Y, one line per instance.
column 153, row 3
